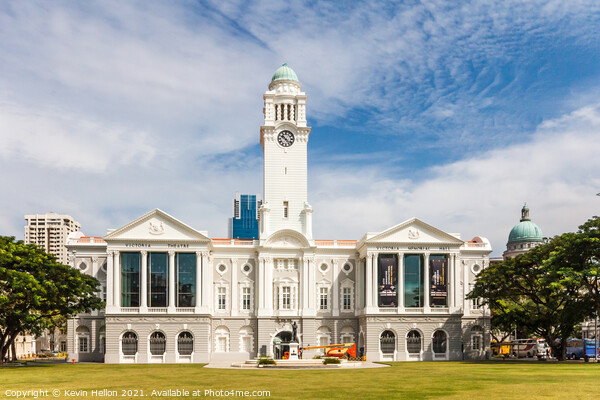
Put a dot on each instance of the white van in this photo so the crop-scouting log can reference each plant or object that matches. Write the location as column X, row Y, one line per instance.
column 531, row 348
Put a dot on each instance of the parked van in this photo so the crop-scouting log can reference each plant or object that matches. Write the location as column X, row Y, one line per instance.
column 531, row 348
column 580, row 348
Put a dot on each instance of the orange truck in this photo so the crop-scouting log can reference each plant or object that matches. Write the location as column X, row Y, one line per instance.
column 337, row 350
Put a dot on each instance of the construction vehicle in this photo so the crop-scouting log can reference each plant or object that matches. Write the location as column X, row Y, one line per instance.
column 343, row 350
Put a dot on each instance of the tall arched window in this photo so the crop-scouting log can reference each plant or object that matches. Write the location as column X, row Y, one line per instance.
column 129, row 344
column 83, row 339
column 413, row 342
column 439, row 342
column 387, row 342
column 185, row 343
column 158, row 343
column 476, row 337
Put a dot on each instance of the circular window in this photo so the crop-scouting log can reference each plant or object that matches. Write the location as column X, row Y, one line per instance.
column 246, row 268
column 82, row 266
column 222, row 268
column 324, row 268
column 476, row 268
column 347, row 268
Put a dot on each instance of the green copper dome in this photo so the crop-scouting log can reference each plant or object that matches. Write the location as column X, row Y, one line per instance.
column 284, row 73
column 525, row 231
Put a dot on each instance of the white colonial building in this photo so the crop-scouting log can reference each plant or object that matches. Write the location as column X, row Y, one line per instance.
column 175, row 295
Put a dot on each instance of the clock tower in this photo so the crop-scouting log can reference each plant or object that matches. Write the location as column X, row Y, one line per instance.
column 284, row 139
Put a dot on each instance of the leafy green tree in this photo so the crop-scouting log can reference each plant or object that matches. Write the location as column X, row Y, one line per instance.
column 36, row 291
column 536, row 293
column 580, row 253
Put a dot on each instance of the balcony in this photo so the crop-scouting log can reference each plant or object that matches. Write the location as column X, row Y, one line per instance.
column 335, row 243
column 234, row 242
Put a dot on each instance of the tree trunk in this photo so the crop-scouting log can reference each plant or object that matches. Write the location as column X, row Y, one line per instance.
column 13, row 349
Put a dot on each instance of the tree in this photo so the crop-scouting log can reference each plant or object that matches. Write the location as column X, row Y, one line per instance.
column 36, row 291
column 535, row 292
column 581, row 254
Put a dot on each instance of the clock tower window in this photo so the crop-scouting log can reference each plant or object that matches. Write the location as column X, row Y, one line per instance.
column 286, row 206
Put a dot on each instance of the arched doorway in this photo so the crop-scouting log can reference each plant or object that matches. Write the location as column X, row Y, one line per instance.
column 281, row 343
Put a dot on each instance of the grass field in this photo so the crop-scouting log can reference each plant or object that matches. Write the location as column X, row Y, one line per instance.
column 423, row 380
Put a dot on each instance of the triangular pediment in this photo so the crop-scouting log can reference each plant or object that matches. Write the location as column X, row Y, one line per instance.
column 157, row 225
column 414, row 231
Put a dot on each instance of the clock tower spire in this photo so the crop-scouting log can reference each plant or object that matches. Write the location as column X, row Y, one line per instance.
column 284, row 139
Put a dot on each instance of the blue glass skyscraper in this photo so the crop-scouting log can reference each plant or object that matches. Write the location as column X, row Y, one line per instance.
column 244, row 224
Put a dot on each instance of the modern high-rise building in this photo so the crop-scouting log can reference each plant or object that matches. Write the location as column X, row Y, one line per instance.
column 244, row 223
column 50, row 231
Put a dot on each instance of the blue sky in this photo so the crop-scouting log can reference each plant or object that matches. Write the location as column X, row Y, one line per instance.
column 453, row 112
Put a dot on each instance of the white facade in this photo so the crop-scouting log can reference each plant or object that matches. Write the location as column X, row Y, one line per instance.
column 176, row 295
column 50, row 231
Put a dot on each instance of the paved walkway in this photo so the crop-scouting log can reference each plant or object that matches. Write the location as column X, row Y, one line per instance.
column 227, row 365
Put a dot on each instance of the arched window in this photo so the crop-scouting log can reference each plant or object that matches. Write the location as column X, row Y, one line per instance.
column 324, row 337
column 83, row 339
column 246, row 339
column 347, row 334
column 158, row 343
column 413, row 342
column 476, row 337
column 129, row 344
column 387, row 342
column 185, row 343
column 439, row 342
column 222, row 339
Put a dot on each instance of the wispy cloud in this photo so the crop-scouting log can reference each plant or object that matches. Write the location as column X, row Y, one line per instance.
column 427, row 109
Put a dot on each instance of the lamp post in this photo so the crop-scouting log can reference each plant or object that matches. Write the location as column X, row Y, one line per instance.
column 596, row 328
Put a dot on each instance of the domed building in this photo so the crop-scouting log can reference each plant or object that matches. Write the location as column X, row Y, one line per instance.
column 523, row 236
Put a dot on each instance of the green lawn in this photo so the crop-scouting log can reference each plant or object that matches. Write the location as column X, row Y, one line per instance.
column 423, row 380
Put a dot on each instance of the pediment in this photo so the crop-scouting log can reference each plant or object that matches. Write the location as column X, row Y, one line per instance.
column 414, row 231
column 157, row 225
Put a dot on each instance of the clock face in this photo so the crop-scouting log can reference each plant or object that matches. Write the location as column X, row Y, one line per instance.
column 285, row 138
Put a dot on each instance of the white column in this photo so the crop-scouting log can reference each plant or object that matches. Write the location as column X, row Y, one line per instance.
column 172, row 289
column 312, row 287
column 369, row 285
column 308, row 222
column 209, row 284
column 199, row 289
column 375, row 291
column 450, row 282
column 336, row 289
column 427, row 307
column 110, row 301
column 466, row 307
column 302, row 298
column 456, row 280
column 269, row 285
column 234, row 287
column 144, row 282
column 260, row 286
column 117, row 279
column 400, row 283
column 358, row 289
column 204, row 293
column 94, row 265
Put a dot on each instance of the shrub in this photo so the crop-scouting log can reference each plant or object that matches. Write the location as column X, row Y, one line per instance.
column 331, row 360
column 266, row 360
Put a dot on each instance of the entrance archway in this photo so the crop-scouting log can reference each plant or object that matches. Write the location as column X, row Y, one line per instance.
column 281, row 343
